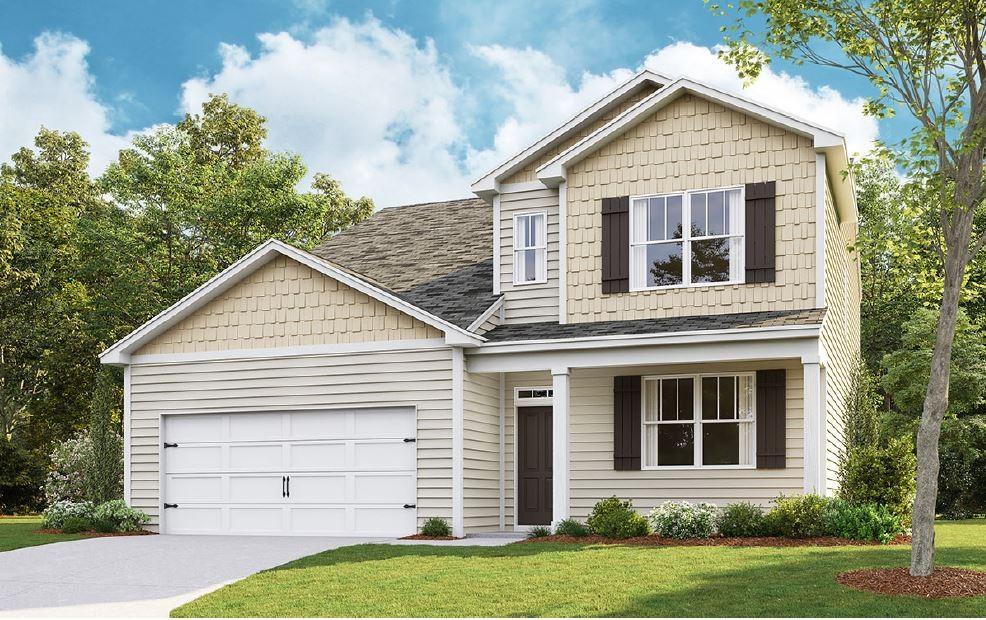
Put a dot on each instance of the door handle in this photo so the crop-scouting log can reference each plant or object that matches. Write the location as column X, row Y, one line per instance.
column 289, row 486
column 284, row 492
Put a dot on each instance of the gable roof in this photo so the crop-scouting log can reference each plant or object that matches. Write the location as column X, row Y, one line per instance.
column 825, row 140
column 489, row 183
column 120, row 352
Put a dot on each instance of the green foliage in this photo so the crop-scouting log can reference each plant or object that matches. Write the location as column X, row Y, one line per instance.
column 56, row 514
column 539, row 531
column 116, row 516
column 798, row 516
column 76, row 524
column 907, row 369
column 21, row 476
column 881, row 475
column 863, row 522
column 962, row 475
column 741, row 520
column 104, row 471
column 436, row 526
column 572, row 527
column 616, row 518
column 861, row 424
column 684, row 520
column 78, row 474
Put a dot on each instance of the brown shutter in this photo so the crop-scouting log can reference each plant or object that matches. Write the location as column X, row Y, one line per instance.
column 626, row 423
column 616, row 245
column 760, row 232
column 771, row 418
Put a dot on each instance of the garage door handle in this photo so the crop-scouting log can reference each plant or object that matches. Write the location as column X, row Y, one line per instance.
column 284, row 492
column 409, row 440
column 289, row 486
column 166, row 506
column 170, row 445
column 410, row 505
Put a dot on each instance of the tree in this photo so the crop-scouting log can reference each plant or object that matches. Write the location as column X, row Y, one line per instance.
column 925, row 57
column 104, row 474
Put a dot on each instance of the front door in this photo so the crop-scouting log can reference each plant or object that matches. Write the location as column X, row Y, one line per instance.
column 534, row 465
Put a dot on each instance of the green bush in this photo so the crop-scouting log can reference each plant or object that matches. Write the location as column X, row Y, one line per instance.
column 539, row 531
column 615, row 518
column 21, row 476
column 116, row 516
column 798, row 516
column 742, row 519
column 104, row 470
column 436, row 526
column 684, row 520
column 55, row 515
column 962, row 475
column 74, row 525
column 866, row 522
column 880, row 475
column 571, row 527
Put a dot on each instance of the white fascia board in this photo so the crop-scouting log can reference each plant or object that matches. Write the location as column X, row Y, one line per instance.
column 553, row 172
column 482, row 318
column 120, row 352
column 489, row 184
column 842, row 182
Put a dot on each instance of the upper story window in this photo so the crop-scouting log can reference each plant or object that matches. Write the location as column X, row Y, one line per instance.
column 698, row 420
column 530, row 248
column 690, row 238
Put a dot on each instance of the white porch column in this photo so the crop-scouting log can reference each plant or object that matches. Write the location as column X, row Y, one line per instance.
column 560, row 500
column 458, row 402
column 814, row 429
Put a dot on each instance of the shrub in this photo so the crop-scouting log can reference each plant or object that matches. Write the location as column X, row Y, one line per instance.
column 962, row 475
column 861, row 419
column 539, row 531
column 684, row 520
column 55, row 515
column 436, row 526
column 742, row 519
column 74, row 525
column 885, row 476
column 866, row 522
column 798, row 516
column 116, row 516
column 615, row 518
column 66, row 480
column 571, row 527
column 104, row 472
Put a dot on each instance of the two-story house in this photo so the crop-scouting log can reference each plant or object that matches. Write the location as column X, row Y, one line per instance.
column 657, row 301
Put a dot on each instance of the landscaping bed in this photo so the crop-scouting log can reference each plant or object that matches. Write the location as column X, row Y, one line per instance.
column 944, row 582
column 716, row 541
column 426, row 537
column 94, row 533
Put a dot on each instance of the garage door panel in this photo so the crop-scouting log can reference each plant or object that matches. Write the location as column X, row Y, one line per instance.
column 195, row 488
column 390, row 423
column 383, row 520
column 256, row 488
column 320, row 425
column 319, row 455
column 196, row 459
column 382, row 455
column 391, row 488
column 254, row 426
column 194, row 428
column 319, row 520
column 256, row 457
column 195, row 520
column 329, row 488
column 253, row 520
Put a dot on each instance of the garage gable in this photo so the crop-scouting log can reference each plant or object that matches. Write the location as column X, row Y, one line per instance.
column 285, row 303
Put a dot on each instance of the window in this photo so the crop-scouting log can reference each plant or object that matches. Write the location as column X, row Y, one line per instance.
column 523, row 393
column 530, row 248
column 698, row 420
column 684, row 239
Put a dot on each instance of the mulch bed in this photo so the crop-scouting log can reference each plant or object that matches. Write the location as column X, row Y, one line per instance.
column 94, row 534
column 944, row 582
column 423, row 537
column 761, row 541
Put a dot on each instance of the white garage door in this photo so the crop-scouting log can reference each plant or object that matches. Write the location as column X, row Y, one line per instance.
column 338, row 472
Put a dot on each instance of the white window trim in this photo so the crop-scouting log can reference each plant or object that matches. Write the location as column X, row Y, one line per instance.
column 686, row 239
column 541, row 263
column 696, row 421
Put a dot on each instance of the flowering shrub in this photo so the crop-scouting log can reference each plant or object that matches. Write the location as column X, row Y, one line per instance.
column 55, row 515
column 684, row 520
column 116, row 516
column 73, row 463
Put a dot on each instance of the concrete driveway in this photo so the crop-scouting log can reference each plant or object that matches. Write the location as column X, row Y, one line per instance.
column 139, row 575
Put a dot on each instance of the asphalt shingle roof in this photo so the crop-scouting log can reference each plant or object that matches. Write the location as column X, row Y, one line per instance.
column 552, row 331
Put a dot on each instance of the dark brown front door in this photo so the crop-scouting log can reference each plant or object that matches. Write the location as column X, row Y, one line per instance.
column 534, row 465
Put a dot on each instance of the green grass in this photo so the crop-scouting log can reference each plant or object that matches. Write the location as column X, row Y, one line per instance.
column 17, row 532
column 551, row 579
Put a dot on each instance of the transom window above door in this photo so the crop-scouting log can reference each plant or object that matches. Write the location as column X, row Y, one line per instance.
column 530, row 248
column 689, row 238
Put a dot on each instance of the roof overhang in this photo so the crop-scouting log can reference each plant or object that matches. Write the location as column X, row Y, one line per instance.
column 490, row 183
column 824, row 140
column 119, row 353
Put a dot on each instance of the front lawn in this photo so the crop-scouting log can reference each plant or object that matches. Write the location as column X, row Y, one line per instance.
column 17, row 532
column 552, row 579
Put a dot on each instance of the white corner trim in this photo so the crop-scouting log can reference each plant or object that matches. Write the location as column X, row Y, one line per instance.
column 553, row 172
column 814, row 435
column 127, row 476
column 458, row 413
column 503, row 455
column 482, row 318
column 496, row 245
column 821, row 180
column 562, row 253
column 119, row 353
column 560, row 446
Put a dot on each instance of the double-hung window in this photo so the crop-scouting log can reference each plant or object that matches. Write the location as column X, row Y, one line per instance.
column 690, row 238
column 530, row 248
column 698, row 420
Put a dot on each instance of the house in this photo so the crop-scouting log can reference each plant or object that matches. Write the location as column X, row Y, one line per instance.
column 656, row 300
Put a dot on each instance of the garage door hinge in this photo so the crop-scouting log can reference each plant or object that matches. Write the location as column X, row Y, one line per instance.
column 166, row 506
column 409, row 440
column 170, row 445
column 410, row 505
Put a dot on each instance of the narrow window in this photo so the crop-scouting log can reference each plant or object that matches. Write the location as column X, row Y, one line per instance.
column 530, row 248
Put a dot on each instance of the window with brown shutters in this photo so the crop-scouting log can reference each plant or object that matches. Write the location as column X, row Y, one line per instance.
column 616, row 245
column 771, row 418
column 760, row 232
column 626, row 423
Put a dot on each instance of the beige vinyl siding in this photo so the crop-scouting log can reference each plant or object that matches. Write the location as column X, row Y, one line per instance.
column 283, row 304
column 492, row 321
column 593, row 476
column 529, row 302
column 840, row 334
column 419, row 378
column 481, row 452
column 512, row 381
column 529, row 171
column 693, row 144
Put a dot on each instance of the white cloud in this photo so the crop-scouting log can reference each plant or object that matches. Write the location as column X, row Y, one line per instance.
column 52, row 87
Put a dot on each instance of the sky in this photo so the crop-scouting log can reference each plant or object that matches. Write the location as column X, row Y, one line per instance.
column 402, row 101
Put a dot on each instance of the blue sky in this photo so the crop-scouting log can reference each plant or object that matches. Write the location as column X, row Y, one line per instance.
column 402, row 101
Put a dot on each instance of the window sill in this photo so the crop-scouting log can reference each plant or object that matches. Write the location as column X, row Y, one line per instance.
column 693, row 467
column 531, row 283
column 685, row 286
